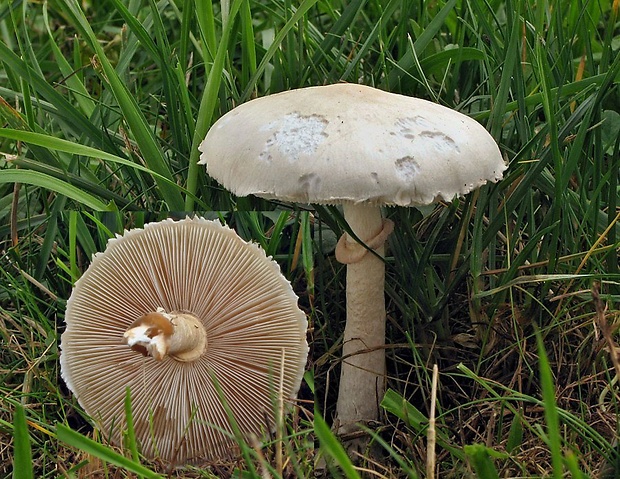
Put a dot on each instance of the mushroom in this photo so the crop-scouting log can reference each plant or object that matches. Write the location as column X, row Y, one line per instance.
column 363, row 148
column 173, row 312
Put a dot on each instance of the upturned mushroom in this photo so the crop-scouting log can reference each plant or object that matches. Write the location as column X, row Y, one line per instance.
column 171, row 311
column 363, row 148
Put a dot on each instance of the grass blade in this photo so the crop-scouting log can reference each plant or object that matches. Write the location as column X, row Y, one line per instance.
column 551, row 410
column 58, row 144
column 132, row 444
column 207, row 105
column 150, row 150
column 61, row 107
column 330, row 446
column 22, row 453
column 480, row 458
column 87, row 445
column 36, row 178
column 408, row 61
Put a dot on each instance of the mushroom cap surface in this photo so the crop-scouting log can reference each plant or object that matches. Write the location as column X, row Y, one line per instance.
column 250, row 315
column 349, row 143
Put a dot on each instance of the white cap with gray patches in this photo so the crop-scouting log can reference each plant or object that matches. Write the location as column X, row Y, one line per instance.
column 349, row 143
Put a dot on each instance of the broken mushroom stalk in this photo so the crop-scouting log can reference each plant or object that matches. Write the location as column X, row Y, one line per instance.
column 362, row 148
column 185, row 314
column 157, row 334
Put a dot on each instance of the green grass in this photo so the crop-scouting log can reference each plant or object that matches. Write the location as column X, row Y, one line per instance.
column 103, row 105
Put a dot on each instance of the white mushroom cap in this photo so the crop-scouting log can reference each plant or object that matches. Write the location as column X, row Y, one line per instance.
column 231, row 288
column 349, row 143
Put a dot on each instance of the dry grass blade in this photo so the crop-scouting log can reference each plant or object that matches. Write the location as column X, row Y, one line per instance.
column 431, row 435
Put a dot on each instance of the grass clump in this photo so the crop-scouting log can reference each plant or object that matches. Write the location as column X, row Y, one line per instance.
column 512, row 291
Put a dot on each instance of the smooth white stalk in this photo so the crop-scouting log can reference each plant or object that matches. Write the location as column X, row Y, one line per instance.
column 362, row 375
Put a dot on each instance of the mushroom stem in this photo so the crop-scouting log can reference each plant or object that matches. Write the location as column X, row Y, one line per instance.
column 362, row 374
column 179, row 335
